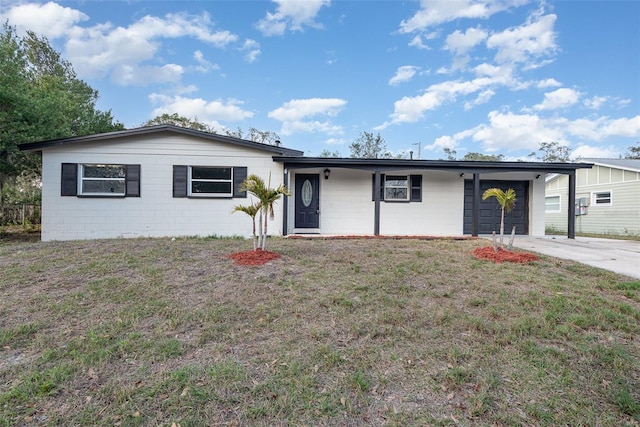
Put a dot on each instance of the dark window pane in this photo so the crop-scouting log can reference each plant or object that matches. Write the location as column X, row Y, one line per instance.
column 103, row 186
column 200, row 172
column 210, row 187
column 395, row 193
column 103, row 171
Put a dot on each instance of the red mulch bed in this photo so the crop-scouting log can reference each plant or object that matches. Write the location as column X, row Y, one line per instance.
column 488, row 253
column 257, row 257
column 382, row 237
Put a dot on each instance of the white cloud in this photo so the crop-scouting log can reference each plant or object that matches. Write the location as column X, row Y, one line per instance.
column 460, row 43
column 560, row 98
column 48, row 19
column 482, row 98
column 296, row 115
column 433, row 13
column 543, row 84
column 534, row 39
column 410, row 109
column 595, row 102
column 143, row 75
column 204, row 65
column 506, row 131
column 293, row 15
column 104, row 49
column 589, row 151
column 403, row 74
column 209, row 112
column 252, row 48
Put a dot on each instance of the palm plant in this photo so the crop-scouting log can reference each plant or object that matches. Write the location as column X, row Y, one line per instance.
column 266, row 199
column 252, row 211
column 506, row 200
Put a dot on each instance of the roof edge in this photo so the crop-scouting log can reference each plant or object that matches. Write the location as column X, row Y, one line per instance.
column 39, row 145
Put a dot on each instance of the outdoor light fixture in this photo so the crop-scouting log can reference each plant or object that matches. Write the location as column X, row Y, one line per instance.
column 326, row 173
column 461, row 174
column 537, row 176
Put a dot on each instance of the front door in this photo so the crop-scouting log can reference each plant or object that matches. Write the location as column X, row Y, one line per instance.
column 307, row 201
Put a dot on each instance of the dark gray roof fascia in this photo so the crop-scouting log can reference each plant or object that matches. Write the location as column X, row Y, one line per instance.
column 38, row 146
column 452, row 165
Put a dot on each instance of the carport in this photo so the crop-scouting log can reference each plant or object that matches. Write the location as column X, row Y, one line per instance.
column 476, row 171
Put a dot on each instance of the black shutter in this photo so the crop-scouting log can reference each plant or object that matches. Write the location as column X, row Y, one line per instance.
column 179, row 181
column 416, row 188
column 69, row 182
column 239, row 175
column 373, row 186
column 132, row 181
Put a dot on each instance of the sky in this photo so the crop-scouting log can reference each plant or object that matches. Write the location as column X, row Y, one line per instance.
column 484, row 76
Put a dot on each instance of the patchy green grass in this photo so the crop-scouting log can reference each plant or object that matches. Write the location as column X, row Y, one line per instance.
column 336, row 332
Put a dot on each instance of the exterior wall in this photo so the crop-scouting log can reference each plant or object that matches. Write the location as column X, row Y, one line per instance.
column 156, row 213
column 347, row 208
column 622, row 217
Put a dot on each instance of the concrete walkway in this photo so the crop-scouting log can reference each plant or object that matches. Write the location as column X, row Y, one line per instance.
column 619, row 256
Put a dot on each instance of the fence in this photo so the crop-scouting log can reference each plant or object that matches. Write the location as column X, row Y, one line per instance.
column 20, row 214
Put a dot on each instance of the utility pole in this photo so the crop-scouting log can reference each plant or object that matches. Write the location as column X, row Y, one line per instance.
column 418, row 144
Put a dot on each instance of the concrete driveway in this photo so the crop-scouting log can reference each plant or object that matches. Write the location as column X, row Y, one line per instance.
column 619, row 256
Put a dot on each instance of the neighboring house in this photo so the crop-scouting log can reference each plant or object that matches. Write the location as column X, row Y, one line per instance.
column 607, row 198
column 172, row 181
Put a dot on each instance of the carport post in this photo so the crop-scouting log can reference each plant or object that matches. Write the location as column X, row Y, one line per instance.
column 475, row 205
column 285, row 203
column 571, row 214
column 376, row 200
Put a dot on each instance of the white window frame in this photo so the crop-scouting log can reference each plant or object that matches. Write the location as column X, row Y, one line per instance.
column 82, row 179
column 596, row 199
column 222, row 195
column 407, row 188
column 547, row 210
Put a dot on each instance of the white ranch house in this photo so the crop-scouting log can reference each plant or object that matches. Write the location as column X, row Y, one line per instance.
column 165, row 180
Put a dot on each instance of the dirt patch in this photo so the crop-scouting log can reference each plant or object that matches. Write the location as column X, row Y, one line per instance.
column 502, row 255
column 257, row 257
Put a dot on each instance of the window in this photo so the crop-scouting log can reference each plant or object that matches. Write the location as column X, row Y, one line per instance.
column 552, row 204
column 601, row 198
column 100, row 180
column 208, row 181
column 399, row 188
column 396, row 187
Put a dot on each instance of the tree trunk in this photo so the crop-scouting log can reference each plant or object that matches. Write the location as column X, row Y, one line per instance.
column 502, row 229
column 495, row 244
column 260, row 235
column 264, row 236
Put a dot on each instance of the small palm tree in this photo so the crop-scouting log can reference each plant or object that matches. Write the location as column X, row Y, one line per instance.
column 506, row 200
column 252, row 211
column 266, row 199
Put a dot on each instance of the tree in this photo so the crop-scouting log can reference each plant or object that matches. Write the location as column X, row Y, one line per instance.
column 327, row 153
column 266, row 199
column 252, row 211
column 506, row 200
column 177, row 120
column 472, row 156
column 634, row 152
column 368, row 146
column 552, row 152
column 255, row 135
column 451, row 154
column 40, row 99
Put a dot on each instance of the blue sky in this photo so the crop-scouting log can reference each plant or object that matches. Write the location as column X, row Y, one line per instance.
column 495, row 77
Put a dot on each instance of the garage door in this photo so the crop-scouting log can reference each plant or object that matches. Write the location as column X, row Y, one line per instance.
column 490, row 209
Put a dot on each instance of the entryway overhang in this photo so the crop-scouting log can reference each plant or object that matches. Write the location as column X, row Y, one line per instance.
column 474, row 168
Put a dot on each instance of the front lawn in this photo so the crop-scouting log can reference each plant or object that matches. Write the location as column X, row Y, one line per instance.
column 148, row 332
